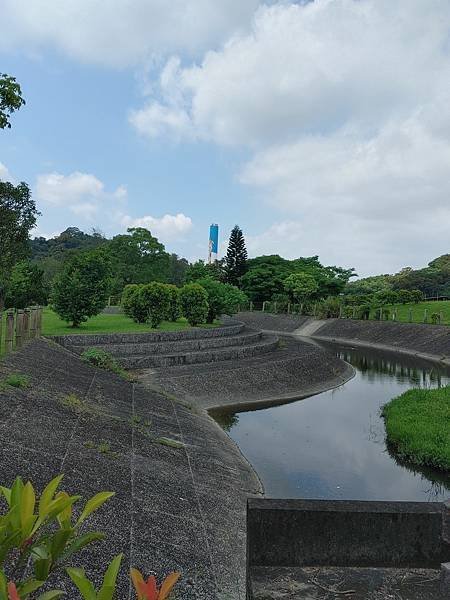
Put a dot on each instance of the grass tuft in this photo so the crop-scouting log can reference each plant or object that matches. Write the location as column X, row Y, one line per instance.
column 17, row 380
column 103, row 360
column 418, row 426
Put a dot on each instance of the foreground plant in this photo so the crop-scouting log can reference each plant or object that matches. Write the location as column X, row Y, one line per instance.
column 148, row 590
column 40, row 533
column 86, row 587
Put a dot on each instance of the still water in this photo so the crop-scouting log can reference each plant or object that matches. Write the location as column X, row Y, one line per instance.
column 332, row 445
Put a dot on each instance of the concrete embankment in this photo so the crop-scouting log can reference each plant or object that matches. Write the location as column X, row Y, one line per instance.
column 181, row 483
column 427, row 341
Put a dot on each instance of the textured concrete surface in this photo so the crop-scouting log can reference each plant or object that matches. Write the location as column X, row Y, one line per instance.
column 179, row 508
column 293, row 371
column 310, row 583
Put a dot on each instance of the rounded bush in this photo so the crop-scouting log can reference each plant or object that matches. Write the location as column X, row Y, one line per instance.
column 155, row 297
column 194, row 303
column 127, row 295
column 174, row 310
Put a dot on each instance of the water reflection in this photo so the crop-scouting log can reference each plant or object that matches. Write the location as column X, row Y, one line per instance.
column 333, row 445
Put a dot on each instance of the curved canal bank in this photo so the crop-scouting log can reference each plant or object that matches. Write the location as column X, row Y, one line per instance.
column 333, row 446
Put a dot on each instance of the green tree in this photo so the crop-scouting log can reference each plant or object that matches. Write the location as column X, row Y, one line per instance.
column 404, row 296
column 236, row 258
column 201, row 270
column 301, row 286
column 137, row 257
column 156, row 298
column 17, row 217
column 26, row 286
column 10, row 99
column 194, row 303
column 81, row 289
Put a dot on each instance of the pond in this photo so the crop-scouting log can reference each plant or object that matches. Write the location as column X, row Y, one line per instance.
column 332, row 445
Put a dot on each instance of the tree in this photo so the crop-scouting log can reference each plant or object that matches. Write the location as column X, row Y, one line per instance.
column 156, row 298
column 236, row 258
column 17, row 217
column 81, row 289
column 10, row 99
column 137, row 257
column 26, row 286
column 404, row 296
column 194, row 303
column 301, row 286
column 174, row 310
column 201, row 270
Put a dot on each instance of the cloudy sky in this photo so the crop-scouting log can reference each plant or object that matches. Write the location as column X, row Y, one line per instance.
column 319, row 127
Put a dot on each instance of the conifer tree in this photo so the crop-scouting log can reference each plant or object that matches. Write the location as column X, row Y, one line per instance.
column 236, row 259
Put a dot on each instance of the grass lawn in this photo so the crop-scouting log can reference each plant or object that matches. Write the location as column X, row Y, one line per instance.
column 103, row 323
column 418, row 426
column 438, row 306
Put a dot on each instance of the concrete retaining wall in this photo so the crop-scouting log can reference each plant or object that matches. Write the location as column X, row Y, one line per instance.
column 270, row 322
column 230, row 328
column 427, row 340
column 347, row 533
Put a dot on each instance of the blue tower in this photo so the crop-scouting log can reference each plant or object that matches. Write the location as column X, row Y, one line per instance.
column 213, row 243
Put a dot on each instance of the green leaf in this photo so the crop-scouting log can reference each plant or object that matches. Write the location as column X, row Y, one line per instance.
column 51, row 595
column 29, row 586
column 48, row 494
column 111, row 572
column 7, row 493
column 82, row 541
column 83, row 584
column 93, row 504
column 27, row 505
column 3, row 586
column 42, row 568
column 58, row 542
column 106, row 593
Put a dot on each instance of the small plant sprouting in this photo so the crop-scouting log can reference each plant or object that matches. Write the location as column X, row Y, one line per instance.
column 90, row 444
column 75, row 403
column 103, row 360
column 164, row 441
column 135, row 419
column 17, row 380
column 104, row 447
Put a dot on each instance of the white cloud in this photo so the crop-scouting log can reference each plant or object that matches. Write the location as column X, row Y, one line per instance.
column 5, row 175
column 82, row 193
column 168, row 227
column 122, row 32
column 344, row 106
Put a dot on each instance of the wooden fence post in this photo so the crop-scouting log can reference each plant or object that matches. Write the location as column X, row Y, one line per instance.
column 33, row 315
column 441, row 317
column 9, row 335
column 26, row 325
column 39, row 321
column 264, row 306
column 251, row 306
column 410, row 315
column 425, row 315
column 354, row 312
column 19, row 328
column 275, row 307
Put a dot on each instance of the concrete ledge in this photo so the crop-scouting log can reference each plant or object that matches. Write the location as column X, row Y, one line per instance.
column 230, row 328
column 347, row 533
column 163, row 347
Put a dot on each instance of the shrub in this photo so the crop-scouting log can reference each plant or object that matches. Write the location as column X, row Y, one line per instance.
column 194, row 303
column 363, row 312
column 223, row 298
column 45, row 536
column 416, row 296
column 174, row 310
column 17, row 380
column 127, row 295
column 103, row 360
column 330, row 308
column 156, row 298
column 435, row 318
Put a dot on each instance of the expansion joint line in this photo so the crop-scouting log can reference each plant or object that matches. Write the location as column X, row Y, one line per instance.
column 75, row 427
column 197, row 499
column 132, row 482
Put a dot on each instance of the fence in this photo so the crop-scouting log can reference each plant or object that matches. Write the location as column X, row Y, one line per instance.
column 404, row 314
column 17, row 327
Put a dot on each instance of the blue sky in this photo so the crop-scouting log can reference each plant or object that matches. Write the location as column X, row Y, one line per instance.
column 320, row 128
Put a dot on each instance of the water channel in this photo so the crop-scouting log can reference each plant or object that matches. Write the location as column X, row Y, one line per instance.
column 332, row 445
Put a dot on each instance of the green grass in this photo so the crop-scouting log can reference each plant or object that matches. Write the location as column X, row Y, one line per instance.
column 418, row 311
column 17, row 380
column 418, row 426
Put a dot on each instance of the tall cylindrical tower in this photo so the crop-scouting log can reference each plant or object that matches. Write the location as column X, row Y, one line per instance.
column 213, row 243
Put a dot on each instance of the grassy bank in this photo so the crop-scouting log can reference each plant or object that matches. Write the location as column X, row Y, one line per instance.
column 103, row 323
column 418, row 310
column 418, row 426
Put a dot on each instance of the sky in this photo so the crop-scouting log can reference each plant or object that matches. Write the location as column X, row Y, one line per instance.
column 320, row 127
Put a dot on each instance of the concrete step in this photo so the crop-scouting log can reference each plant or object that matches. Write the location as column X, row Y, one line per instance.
column 246, row 337
column 265, row 345
column 229, row 328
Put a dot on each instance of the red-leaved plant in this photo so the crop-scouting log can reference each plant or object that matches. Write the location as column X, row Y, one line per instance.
column 148, row 590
